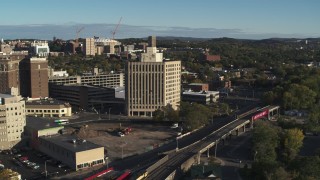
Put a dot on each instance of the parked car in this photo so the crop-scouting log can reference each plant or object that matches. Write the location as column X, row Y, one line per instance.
column 175, row 125
column 62, row 165
column 120, row 134
column 35, row 167
column 18, row 155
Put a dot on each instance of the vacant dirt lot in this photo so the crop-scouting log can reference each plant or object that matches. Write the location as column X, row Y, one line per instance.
column 142, row 138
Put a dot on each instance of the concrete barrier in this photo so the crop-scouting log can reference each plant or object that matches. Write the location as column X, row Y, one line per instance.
column 157, row 164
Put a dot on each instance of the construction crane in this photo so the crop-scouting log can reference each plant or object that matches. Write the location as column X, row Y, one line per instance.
column 77, row 33
column 115, row 30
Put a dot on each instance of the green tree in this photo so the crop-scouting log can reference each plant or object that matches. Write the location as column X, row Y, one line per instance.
column 292, row 142
column 7, row 174
column 166, row 113
column 306, row 168
column 268, row 97
column 225, row 109
column 299, row 97
column 313, row 123
column 194, row 115
column 265, row 141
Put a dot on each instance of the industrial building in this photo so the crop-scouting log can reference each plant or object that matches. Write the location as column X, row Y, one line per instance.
column 197, row 87
column 44, row 135
column 37, row 127
column 202, row 97
column 48, row 107
column 76, row 153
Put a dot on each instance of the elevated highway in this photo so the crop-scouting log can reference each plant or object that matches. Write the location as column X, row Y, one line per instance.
column 182, row 159
column 169, row 160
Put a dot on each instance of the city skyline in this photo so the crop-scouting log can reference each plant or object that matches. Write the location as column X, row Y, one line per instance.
column 247, row 19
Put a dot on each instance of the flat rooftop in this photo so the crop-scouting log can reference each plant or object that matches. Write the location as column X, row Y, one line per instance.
column 71, row 143
column 48, row 101
column 202, row 93
column 6, row 96
column 37, row 123
column 197, row 84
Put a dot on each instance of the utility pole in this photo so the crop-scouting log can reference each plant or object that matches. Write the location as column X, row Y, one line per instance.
column 109, row 113
column 215, row 150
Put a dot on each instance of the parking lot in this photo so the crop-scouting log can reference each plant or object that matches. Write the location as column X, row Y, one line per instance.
column 31, row 164
column 122, row 139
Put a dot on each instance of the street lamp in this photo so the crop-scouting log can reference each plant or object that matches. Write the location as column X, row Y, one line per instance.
column 123, row 143
column 107, row 161
column 109, row 113
column 45, row 168
column 255, row 154
column 177, row 148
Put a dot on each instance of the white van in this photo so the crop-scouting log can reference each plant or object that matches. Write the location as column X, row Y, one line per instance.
column 175, row 125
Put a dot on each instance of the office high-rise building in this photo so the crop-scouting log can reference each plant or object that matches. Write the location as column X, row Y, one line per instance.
column 34, row 77
column 12, row 119
column 152, row 41
column 89, row 47
column 9, row 72
column 151, row 84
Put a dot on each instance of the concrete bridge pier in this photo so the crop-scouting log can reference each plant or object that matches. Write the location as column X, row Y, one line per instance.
column 223, row 140
column 235, row 132
column 198, row 159
column 208, row 152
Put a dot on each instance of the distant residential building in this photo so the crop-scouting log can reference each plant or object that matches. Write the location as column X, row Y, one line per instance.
column 48, row 108
column 12, row 119
column 56, row 54
column 204, row 97
column 6, row 49
column 76, row 153
column 152, row 84
column 152, row 41
column 34, row 77
column 99, row 50
column 89, row 47
column 197, row 87
column 9, row 72
column 208, row 57
column 53, row 73
column 72, row 47
column 108, row 44
column 40, row 48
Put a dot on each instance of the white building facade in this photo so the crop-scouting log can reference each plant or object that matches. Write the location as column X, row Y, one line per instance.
column 12, row 120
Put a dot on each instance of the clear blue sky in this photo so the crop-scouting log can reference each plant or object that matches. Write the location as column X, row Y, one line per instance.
column 250, row 16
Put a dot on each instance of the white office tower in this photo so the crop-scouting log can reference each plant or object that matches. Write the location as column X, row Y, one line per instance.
column 152, row 84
